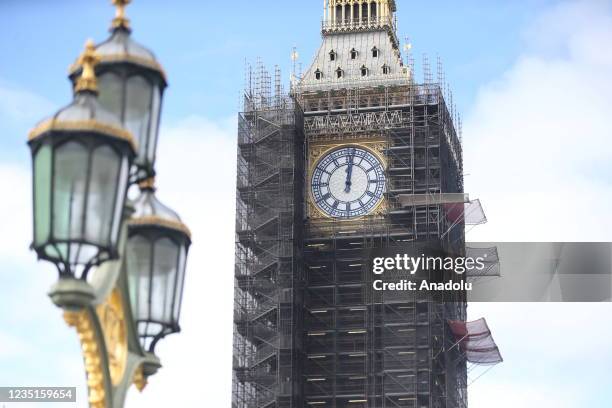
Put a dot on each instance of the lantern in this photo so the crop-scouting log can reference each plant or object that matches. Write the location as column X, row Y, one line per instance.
column 81, row 160
column 131, row 84
column 157, row 247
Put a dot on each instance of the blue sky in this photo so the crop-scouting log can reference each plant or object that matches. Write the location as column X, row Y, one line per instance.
column 531, row 78
column 203, row 45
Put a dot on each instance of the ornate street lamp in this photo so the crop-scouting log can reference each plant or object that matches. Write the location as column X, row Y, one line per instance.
column 81, row 156
column 157, row 246
column 121, row 264
column 132, row 84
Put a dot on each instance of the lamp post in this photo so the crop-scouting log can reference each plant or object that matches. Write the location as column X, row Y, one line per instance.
column 121, row 264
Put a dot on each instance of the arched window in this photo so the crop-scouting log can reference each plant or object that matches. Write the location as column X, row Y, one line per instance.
column 318, row 74
column 354, row 54
column 347, row 14
column 332, row 55
column 338, row 14
column 375, row 52
column 386, row 69
column 373, row 11
column 356, row 12
column 339, row 73
column 364, row 71
column 364, row 12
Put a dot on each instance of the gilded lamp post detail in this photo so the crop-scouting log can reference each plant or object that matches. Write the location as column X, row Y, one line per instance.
column 121, row 263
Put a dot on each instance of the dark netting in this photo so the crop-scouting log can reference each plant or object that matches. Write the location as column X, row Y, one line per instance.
column 409, row 200
column 475, row 340
column 489, row 257
column 469, row 213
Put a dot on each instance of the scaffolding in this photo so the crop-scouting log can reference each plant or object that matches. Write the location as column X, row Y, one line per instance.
column 267, row 313
column 309, row 329
column 365, row 348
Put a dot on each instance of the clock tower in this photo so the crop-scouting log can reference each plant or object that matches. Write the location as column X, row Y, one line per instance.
column 323, row 176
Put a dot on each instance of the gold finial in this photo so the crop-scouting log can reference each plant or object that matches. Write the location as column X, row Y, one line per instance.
column 120, row 21
column 140, row 381
column 88, row 60
column 147, row 184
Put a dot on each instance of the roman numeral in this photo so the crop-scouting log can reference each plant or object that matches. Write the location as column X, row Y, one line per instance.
column 325, row 197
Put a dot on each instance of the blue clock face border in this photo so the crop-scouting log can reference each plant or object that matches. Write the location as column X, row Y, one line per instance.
column 341, row 169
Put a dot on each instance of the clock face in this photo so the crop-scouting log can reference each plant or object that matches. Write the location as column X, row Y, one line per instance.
column 348, row 182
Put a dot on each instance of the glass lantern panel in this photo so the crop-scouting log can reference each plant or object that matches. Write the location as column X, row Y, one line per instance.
column 178, row 293
column 139, row 274
column 70, row 179
column 138, row 112
column 164, row 278
column 56, row 251
column 154, row 128
column 42, row 194
column 79, row 253
column 110, row 95
column 123, row 176
column 105, row 166
column 149, row 330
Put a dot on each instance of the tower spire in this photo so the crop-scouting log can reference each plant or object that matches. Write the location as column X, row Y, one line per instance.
column 120, row 20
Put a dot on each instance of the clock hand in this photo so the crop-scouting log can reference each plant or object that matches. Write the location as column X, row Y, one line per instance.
column 349, row 172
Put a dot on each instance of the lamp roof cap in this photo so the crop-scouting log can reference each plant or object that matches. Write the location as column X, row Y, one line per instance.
column 120, row 48
column 149, row 211
column 85, row 113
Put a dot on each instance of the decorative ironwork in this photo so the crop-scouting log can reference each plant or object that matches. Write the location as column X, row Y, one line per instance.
column 92, row 355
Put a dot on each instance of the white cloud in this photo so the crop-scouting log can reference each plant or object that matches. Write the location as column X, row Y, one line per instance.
column 196, row 178
column 536, row 101
column 31, row 325
column 537, row 145
column 538, row 153
column 524, row 395
column 19, row 109
column 20, row 104
column 537, row 149
column 13, row 346
column 544, row 329
column 16, row 213
column 556, row 355
column 197, row 168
